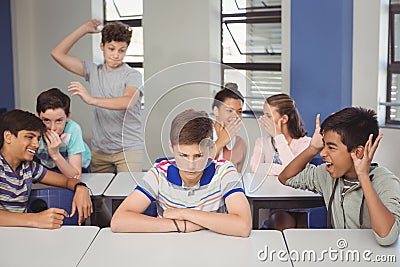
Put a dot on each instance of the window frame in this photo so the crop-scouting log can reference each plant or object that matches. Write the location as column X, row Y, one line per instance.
column 393, row 67
column 251, row 15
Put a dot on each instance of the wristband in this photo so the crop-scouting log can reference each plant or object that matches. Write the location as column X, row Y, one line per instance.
column 80, row 183
column 184, row 230
column 176, row 225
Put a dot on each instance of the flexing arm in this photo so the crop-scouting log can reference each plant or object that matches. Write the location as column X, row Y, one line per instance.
column 237, row 222
column 129, row 218
column 60, row 52
column 299, row 163
column 130, row 97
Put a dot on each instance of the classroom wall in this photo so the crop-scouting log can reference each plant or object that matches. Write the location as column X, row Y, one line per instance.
column 38, row 25
column 369, row 72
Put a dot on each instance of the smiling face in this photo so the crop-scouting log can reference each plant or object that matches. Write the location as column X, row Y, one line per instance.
column 191, row 161
column 338, row 160
column 54, row 119
column 229, row 110
column 21, row 147
column 114, row 52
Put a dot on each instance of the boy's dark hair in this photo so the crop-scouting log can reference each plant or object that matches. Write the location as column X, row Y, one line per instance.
column 116, row 31
column 230, row 90
column 18, row 120
column 191, row 127
column 52, row 99
column 285, row 105
column 354, row 125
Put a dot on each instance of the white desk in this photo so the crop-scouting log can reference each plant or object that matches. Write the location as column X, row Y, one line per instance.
column 203, row 248
column 359, row 241
column 32, row 247
column 97, row 182
column 267, row 192
column 122, row 185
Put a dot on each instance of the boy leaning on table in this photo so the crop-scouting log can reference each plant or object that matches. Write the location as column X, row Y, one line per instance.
column 192, row 191
column 19, row 140
column 361, row 194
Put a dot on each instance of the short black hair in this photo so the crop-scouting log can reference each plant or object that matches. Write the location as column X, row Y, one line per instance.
column 354, row 125
column 53, row 99
column 230, row 90
column 18, row 120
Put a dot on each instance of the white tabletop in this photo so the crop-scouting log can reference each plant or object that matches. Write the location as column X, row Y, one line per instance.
column 33, row 247
column 260, row 185
column 202, row 248
column 346, row 244
column 123, row 184
column 97, row 182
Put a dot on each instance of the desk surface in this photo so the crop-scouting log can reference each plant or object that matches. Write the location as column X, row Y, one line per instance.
column 202, row 248
column 344, row 242
column 123, row 184
column 97, row 182
column 260, row 185
column 33, row 247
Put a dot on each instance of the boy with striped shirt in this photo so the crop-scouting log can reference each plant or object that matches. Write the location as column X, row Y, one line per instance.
column 192, row 191
column 19, row 140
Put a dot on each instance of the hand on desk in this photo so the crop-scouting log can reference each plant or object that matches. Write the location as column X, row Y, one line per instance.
column 49, row 219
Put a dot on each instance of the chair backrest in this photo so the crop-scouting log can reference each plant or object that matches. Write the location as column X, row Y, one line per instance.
column 316, row 217
column 45, row 198
column 317, row 160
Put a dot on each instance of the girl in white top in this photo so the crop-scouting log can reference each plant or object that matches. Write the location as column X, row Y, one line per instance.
column 286, row 139
column 286, row 136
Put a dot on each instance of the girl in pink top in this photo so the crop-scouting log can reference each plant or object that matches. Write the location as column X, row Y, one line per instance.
column 286, row 139
column 286, row 136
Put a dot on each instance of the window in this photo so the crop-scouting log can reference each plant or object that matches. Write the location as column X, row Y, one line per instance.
column 393, row 70
column 251, row 49
column 129, row 12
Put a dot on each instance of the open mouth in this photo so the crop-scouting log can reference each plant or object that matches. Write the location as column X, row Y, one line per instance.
column 32, row 151
column 328, row 165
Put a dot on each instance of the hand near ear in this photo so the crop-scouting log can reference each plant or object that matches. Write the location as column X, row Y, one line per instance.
column 316, row 142
column 362, row 156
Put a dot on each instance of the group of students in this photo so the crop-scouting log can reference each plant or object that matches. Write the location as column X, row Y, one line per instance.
column 200, row 187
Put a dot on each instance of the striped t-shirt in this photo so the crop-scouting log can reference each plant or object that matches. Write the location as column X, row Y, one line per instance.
column 163, row 184
column 16, row 187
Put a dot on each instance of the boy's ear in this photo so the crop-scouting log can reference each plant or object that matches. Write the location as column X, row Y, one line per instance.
column 101, row 46
column 171, row 148
column 359, row 151
column 216, row 111
column 68, row 117
column 7, row 136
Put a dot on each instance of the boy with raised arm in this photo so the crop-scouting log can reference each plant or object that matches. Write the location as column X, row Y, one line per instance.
column 358, row 194
column 115, row 94
column 192, row 191
column 19, row 140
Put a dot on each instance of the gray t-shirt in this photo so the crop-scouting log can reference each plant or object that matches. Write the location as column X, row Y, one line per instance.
column 115, row 131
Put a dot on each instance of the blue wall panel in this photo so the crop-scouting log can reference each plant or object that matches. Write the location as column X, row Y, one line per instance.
column 321, row 57
column 6, row 55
